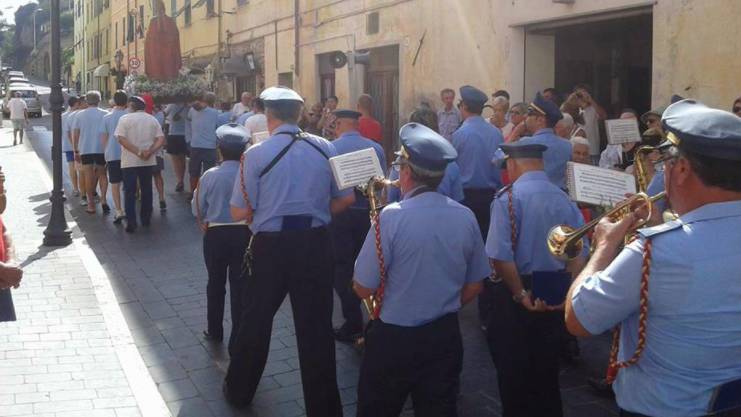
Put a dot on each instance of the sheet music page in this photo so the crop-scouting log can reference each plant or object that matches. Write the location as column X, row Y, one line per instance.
column 355, row 168
column 598, row 186
column 622, row 131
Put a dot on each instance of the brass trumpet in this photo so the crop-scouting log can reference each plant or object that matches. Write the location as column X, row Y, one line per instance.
column 371, row 190
column 565, row 242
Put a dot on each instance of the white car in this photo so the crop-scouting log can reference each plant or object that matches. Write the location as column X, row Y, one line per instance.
column 28, row 94
column 17, row 81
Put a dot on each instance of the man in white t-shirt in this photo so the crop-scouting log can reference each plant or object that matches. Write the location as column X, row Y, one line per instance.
column 18, row 115
column 140, row 136
column 592, row 113
column 243, row 106
column 257, row 122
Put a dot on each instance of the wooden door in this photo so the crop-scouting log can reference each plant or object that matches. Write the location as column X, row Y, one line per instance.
column 383, row 86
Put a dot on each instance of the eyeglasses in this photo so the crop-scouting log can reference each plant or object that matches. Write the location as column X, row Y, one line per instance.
column 397, row 164
column 736, row 109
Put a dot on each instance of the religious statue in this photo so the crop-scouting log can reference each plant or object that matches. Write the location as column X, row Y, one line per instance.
column 162, row 46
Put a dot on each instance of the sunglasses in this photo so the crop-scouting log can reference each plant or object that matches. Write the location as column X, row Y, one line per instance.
column 736, row 109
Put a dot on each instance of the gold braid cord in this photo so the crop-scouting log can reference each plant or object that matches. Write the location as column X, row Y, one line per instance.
column 242, row 183
column 199, row 216
column 513, row 226
column 614, row 366
column 378, row 296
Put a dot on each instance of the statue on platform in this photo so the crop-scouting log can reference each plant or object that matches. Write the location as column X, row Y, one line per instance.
column 162, row 46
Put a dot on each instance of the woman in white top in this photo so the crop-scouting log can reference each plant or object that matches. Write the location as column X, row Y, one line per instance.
column 257, row 123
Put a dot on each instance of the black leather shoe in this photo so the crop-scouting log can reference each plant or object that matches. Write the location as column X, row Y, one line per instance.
column 130, row 228
column 601, row 387
column 347, row 333
column 234, row 402
column 212, row 338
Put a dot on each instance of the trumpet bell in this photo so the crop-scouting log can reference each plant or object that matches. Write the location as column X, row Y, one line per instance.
column 563, row 244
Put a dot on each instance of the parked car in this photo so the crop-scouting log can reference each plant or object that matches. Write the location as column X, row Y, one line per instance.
column 28, row 94
column 15, row 74
column 18, row 80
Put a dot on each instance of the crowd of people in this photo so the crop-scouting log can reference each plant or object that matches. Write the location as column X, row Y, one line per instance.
column 471, row 206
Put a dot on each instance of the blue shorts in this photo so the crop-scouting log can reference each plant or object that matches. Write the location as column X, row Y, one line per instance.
column 70, row 155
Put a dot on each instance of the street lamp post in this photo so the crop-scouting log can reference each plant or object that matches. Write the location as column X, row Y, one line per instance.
column 57, row 233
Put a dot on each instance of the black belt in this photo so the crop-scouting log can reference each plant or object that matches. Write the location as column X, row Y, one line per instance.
column 624, row 413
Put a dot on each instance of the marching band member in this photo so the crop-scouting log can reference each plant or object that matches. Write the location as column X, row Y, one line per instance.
column 542, row 116
column 287, row 194
column 350, row 227
column 435, row 262
column 523, row 330
column 674, row 291
column 225, row 240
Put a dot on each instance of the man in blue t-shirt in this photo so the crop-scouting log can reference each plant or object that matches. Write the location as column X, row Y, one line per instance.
column 204, row 120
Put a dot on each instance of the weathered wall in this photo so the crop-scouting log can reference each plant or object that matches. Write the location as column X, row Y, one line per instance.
column 479, row 42
column 697, row 52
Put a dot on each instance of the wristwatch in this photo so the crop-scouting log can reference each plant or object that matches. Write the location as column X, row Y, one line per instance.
column 519, row 297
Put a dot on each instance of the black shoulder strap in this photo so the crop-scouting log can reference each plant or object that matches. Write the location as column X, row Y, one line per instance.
column 295, row 137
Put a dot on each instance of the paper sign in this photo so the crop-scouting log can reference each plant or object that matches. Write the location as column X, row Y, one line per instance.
column 598, row 186
column 622, row 131
column 355, row 168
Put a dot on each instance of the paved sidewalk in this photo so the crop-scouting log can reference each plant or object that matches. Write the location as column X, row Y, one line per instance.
column 70, row 353
column 159, row 280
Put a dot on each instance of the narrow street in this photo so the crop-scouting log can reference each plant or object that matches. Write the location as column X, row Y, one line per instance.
column 159, row 282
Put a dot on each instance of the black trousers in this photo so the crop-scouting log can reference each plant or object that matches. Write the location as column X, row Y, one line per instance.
column 223, row 251
column 479, row 201
column 300, row 264
column 524, row 347
column 144, row 177
column 349, row 229
column 424, row 362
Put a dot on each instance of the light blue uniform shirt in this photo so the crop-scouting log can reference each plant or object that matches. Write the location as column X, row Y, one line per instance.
column 538, row 206
column 432, row 247
column 555, row 157
column 301, row 183
column 177, row 127
column 656, row 186
column 451, row 185
column 476, row 142
column 203, row 128
column 243, row 117
column 693, row 340
column 160, row 117
column 110, row 121
column 89, row 121
column 225, row 117
column 215, row 191
column 352, row 141
column 66, row 133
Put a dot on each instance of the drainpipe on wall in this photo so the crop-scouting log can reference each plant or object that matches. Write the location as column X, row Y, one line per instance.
column 296, row 41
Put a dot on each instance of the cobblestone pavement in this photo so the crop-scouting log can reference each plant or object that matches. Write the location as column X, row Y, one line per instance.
column 70, row 353
column 159, row 281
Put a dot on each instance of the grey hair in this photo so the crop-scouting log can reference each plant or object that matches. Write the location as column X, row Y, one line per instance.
column 92, row 97
column 500, row 101
column 284, row 110
column 567, row 120
column 578, row 140
column 520, row 107
column 425, row 176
